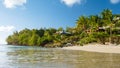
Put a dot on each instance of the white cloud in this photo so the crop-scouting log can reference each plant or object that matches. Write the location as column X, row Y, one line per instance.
column 3, row 37
column 5, row 31
column 72, row 2
column 14, row 3
column 114, row 1
column 6, row 28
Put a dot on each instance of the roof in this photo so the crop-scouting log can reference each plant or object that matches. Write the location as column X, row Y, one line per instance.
column 116, row 18
column 104, row 27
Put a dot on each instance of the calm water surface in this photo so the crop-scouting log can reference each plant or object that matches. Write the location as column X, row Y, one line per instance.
column 36, row 57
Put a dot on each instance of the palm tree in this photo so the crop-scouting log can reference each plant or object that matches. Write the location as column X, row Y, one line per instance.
column 82, row 23
column 107, row 20
column 93, row 22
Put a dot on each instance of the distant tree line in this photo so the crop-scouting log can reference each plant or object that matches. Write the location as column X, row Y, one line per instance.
column 101, row 28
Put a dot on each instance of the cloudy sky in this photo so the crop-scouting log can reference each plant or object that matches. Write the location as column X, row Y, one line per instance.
column 20, row 14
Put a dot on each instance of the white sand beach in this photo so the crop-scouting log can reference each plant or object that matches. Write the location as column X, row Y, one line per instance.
column 96, row 48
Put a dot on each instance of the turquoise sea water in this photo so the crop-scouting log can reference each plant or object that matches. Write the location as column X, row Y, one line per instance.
column 36, row 57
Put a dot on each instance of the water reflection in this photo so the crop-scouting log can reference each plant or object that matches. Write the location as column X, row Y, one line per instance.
column 36, row 57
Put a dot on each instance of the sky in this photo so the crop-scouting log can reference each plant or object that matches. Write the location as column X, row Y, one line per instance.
column 16, row 15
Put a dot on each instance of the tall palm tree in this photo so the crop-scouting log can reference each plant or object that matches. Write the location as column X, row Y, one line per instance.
column 107, row 20
column 82, row 23
column 106, row 17
column 93, row 22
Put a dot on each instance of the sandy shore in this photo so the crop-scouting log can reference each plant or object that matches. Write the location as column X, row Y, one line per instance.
column 96, row 48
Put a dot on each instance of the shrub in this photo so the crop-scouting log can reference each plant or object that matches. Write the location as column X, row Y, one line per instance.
column 87, row 40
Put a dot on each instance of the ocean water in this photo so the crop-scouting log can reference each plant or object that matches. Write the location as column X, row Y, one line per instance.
column 37, row 57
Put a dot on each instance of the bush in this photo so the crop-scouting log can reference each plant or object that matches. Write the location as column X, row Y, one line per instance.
column 87, row 40
column 101, row 36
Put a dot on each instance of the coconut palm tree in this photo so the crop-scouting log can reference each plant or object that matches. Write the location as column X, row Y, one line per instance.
column 82, row 23
column 107, row 20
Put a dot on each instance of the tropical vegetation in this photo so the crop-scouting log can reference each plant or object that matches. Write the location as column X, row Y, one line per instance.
column 102, row 28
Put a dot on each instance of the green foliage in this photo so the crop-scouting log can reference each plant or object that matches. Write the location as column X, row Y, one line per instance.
column 83, row 34
column 87, row 40
column 86, row 31
column 101, row 36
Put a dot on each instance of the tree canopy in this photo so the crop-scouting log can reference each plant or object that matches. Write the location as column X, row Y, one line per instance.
column 101, row 28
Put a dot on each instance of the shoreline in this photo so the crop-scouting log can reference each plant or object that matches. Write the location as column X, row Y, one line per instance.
column 96, row 48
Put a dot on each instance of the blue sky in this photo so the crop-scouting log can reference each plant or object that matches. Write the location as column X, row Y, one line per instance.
column 20, row 14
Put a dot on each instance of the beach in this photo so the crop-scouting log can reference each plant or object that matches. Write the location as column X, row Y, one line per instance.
column 96, row 48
